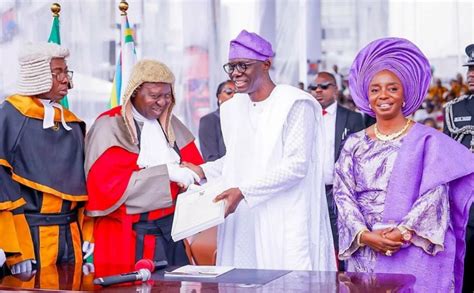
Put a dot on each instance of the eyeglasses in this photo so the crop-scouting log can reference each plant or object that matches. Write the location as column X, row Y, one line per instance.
column 240, row 66
column 60, row 76
column 228, row 91
column 323, row 86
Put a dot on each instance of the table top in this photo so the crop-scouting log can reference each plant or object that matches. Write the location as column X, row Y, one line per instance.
column 71, row 278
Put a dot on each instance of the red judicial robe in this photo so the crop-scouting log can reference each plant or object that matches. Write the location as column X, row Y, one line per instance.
column 122, row 195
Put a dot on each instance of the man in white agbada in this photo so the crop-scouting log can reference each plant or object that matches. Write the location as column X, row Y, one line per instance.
column 277, row 216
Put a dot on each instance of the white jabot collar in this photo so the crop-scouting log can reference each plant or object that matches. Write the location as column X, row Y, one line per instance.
column 48, row 119
column 154, row 147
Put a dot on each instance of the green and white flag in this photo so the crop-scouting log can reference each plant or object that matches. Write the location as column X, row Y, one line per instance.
column 55, row 37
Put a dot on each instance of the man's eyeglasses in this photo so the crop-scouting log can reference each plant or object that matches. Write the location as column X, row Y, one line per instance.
column 60, row 76
column 323, row 86
column 240, row 66
column 228, row 91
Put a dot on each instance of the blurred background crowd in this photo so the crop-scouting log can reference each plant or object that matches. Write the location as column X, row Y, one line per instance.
column 430, row 113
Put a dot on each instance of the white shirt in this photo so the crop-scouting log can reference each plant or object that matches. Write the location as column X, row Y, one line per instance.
column 274, row 155
column 297, row 137
column 329, row 122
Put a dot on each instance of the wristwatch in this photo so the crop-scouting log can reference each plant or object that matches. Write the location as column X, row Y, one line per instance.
column 406, row 234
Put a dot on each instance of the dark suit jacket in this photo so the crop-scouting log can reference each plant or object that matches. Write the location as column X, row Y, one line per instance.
column 210, row 137
column 347, row 122
column 463, row 108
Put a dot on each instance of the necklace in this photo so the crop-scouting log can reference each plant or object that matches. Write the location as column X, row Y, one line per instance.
column 387, row 137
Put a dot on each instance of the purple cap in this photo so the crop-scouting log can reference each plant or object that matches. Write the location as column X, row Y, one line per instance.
column 399, row 56
column 250, row 46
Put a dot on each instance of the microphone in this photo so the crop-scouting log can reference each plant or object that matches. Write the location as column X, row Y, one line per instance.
column 150, row 265
column 142, row 274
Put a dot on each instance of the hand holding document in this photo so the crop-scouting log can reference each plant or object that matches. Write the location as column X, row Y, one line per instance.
column 196, row 211
column 190, row 271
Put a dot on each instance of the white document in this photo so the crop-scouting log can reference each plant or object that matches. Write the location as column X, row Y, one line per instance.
column 195, row 210
column 190, row 271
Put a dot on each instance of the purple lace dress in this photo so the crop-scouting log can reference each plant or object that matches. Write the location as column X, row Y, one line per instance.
column 362, row 174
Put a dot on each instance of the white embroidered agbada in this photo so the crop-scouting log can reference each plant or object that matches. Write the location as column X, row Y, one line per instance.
column 274, row 155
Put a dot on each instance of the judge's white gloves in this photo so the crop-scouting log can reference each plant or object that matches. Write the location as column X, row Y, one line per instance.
column 87, row 249
column 88, row 268
column 25, row 266
column 181, row 175
column 3, row 257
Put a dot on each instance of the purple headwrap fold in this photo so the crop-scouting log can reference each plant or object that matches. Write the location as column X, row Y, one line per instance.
column 250, row 46
column 399, row 56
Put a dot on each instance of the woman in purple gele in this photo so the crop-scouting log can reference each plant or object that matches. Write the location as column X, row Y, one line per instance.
column 403, row 190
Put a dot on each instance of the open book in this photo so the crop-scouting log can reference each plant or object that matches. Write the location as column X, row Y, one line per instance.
column 195, row 210
column 190, row 271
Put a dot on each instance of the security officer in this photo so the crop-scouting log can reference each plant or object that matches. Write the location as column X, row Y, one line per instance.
column 459, row 124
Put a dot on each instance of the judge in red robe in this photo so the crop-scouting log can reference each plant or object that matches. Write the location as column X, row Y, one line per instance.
column 133, row 156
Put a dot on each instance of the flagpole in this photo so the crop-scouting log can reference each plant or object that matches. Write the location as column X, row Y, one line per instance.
column 126, row 58
column 55, row 37
column 117, row 84
column 123, row 6
column 55, row 9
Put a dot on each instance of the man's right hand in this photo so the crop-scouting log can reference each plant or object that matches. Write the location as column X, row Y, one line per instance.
column 377, row 242
column 196, row 169
column 232, row 197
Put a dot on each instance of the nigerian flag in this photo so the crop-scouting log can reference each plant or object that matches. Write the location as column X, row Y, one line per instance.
column 55, row 37
column 125, row 62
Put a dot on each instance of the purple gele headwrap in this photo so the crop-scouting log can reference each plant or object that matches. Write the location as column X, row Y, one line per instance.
column 250, row 46
column 399, row 56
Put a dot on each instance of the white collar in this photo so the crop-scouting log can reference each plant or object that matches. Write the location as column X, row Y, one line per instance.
column 154, row 147
column 48, row 119
column 139, row 117
column 332, row 108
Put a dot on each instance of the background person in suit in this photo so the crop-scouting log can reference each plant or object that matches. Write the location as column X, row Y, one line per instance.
column 339, row 122
column 459, row 124
column 210, row 134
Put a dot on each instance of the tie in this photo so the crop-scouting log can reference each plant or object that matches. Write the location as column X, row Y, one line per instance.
column 324, row 112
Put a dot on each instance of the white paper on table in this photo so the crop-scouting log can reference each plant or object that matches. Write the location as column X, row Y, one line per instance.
column 195, row 210
column 191, row 271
